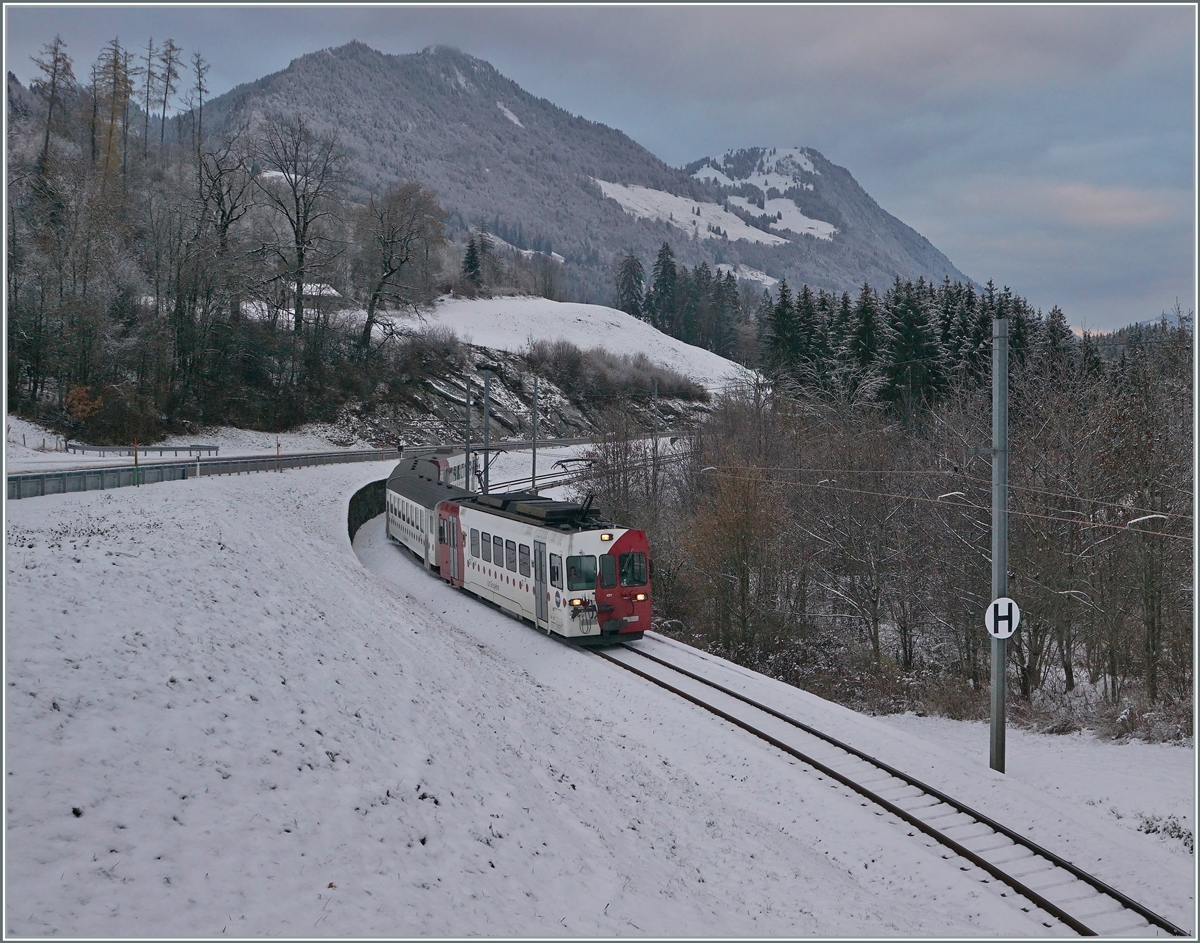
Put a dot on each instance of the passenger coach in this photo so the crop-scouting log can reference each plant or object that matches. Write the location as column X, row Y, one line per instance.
column 555, row 564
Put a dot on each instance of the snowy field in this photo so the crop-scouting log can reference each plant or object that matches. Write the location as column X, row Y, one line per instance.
column 510, row 323
column 222, row 720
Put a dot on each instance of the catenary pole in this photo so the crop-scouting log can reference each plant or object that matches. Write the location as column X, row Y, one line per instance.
column 533, row 476
column 487, row 416
column 468, row 456
column 999, row 527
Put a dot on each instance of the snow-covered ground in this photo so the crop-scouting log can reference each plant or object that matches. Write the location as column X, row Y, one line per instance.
column 510, row 323
column 223, row 720
column 744, row 273
column 680, row 211
column 789, row 216
column 24, row 453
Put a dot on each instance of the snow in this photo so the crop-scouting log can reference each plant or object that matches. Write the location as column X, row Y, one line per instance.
column 510, row 323
column 744, row 273
column 708, row 172
column 791, row 216
column 680, row 211
column 509, row 115
column 231, row 442
column 266, row 732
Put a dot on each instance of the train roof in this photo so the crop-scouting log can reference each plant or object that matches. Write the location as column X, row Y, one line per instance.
column 406, row 479
column 531, row 508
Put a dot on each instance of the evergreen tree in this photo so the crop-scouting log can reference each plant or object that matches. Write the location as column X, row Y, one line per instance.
column 660, row 301
column 471, row 268
column 913, row 364
column 780, row 338
column 865, row 334
column 631, row 277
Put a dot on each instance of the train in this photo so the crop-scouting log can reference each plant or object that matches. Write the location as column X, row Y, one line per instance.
column 558, row 565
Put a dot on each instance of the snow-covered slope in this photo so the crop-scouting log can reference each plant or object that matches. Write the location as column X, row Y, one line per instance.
column 695, row 218
column 220, row 722
column 23, row 449
column 510, row 323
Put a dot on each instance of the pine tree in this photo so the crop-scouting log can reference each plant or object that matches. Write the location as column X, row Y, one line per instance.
column 631, row 277
column 660, row 301
column 913, row 365
column 780, row 337
column 471, row 268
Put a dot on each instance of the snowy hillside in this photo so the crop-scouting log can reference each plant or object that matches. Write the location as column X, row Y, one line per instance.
column 221, row 721
column 510, row 323
column 695, row 218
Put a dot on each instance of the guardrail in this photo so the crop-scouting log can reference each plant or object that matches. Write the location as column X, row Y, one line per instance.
column 81, row 448
column 39, row 484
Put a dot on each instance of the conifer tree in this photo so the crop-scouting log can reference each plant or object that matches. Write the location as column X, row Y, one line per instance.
column 471, row 269
column 631, row 278
column 660, row 301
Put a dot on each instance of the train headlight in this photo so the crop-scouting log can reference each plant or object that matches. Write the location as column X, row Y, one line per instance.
column 640, row 596
column 606, row 536
column 576, row 602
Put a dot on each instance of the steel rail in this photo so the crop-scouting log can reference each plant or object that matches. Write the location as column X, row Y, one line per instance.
column 1024, row 890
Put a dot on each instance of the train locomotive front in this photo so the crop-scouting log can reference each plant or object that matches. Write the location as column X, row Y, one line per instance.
column 557, row 565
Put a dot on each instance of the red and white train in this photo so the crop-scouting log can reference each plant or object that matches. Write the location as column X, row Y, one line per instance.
column 555, row 564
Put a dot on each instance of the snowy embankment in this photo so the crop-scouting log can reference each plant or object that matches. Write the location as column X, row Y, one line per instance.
column 221, row 722
column 511, row 323
column 25, row 452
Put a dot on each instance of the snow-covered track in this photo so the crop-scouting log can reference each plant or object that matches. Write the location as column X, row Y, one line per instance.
column 1063, row 890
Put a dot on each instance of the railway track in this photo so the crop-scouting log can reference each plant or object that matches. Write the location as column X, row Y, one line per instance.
column 1059, row 889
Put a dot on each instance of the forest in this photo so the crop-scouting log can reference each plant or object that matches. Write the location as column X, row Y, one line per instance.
column 830, row 524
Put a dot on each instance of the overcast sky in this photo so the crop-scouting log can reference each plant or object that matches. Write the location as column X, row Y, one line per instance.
column 1051, row 149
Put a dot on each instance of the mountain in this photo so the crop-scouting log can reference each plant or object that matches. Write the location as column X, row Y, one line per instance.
column 547, row 180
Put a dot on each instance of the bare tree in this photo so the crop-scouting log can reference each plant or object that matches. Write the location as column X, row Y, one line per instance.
column 169, row 58
column 398, row 237
column 302, row 175
column 55, row 64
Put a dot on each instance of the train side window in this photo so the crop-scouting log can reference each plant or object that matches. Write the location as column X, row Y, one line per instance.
column 633, row 569
column 510, row 555
column 581, row 572
column 556, row 571
column 498, row 550
column 608, row 570
column 486, row 547
column 474, row 542
column 441, row 531
column 523, row 560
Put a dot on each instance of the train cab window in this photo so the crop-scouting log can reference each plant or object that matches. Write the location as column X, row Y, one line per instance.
column 608, row 571
column 441, row 531
column 474, row 542
column 633, row 569
column 498, row 551
column 523, row 560
column 486, row 547
column 581, row 572
column 556, row 571
column 510, row 555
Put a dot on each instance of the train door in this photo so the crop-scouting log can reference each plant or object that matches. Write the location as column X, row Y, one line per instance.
column 541, row 590
column 450, row 560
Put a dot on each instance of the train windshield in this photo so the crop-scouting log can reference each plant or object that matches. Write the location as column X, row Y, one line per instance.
column 633, row 569
column 581, row 572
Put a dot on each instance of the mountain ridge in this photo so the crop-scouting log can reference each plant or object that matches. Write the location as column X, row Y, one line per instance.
column 499, row 155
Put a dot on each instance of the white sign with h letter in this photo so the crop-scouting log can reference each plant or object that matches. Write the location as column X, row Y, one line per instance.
column 1002, row 617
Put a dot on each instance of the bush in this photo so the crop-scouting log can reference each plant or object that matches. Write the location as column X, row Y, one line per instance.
column 598, row 372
